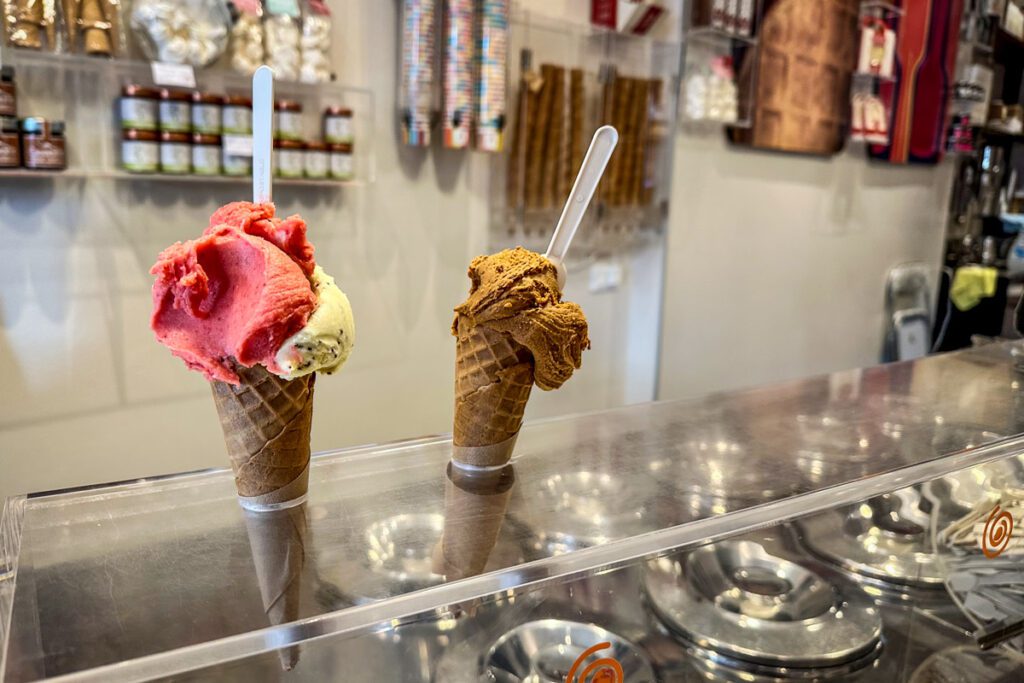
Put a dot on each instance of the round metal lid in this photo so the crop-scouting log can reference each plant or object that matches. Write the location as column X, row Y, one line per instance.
column 586, row 508
column 968, row 664
column 966, row 488
column 737, row 599
column 554, row 651
column 398, row 555
column 886, row 538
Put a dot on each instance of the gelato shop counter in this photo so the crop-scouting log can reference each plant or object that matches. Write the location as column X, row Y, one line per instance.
column 859, row 526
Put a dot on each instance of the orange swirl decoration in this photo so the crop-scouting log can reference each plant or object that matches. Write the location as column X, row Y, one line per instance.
column 604, row 670
column 996, row 536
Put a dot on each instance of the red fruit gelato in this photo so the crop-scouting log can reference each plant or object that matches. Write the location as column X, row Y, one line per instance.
column 236, row 293
column 289, row 235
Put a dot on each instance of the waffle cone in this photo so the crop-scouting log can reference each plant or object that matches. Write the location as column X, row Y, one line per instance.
column 474, row 509
column 278, row 543
column 266, row 422
column 493, row 378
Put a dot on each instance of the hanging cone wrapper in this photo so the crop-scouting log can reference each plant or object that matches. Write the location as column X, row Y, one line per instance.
column 493, row 378
column 266, row 422
column 278, row 543
column 474, row 510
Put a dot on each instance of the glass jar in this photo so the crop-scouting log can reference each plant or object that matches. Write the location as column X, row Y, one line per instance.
column 341, row 162
column 10, row 146
column 138, row 107
column 8, row 92
column 175, row 153
column 235, row 164
column 236, row 115
column 288, row 162
column 175, row 111
column 42, row 144
column 338, row 125
column 287, row 120
column 317, row 161
column 205, row 154
column 206, row 113
column 140, row 151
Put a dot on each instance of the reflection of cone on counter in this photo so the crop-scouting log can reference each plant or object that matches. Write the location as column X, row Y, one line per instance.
column 266, row 421
column 512, row 330
column 278, row 542
column 474, row 509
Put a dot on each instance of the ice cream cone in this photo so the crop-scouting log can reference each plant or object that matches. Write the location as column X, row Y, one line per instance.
column 278, row 543
column 493, row 378
column 266, row 422
column 474, row 509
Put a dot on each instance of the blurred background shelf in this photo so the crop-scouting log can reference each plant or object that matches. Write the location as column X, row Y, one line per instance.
column 74, row 88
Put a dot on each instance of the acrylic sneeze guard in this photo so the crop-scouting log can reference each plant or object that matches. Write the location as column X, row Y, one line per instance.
column 154, row 578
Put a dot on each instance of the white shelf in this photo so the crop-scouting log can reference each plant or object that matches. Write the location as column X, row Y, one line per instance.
column 875, row 6
column 867, row 76
column 717, row 35
column 74, row 173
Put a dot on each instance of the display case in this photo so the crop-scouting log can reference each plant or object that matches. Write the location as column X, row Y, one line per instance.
column 836, row 528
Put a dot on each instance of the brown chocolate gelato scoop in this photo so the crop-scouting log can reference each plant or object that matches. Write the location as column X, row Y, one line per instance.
column 515, row 292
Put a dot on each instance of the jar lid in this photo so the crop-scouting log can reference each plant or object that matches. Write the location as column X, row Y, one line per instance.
column 238, row 101
column 342, row 147
column 288, row 144
column 316, row 146
column 201, row 139
column 168, row 136
column 136, row 90
column 9, row 124
column 57, row 128
column 34, row 125
column 176, row 95
column 207, row 98
column 7, row 73
column 136, row 134
column 338, row 111
column 287, row 105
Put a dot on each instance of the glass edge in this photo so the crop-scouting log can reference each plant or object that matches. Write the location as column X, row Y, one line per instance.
column 12, row 517
column 395, row 610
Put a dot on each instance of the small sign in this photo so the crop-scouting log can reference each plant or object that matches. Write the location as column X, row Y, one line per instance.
column 237, row 145
column 175, row 75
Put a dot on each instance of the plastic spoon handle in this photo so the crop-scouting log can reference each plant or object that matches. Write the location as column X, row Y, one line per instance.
column 262, row 133
column 601, row 148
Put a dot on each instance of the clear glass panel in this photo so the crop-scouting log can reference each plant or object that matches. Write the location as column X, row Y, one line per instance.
column 156, row 578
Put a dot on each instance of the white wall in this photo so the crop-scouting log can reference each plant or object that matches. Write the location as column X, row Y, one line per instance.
column 89, row 396
column 776, row 263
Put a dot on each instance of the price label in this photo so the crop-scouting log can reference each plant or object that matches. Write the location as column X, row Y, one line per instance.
column 237, row 145
column 175, row 75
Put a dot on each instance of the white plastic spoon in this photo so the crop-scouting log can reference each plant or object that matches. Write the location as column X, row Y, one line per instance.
column 262, row 133
column 594, row 163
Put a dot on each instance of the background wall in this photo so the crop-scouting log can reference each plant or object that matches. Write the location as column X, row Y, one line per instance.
column 776, row 264
column 88, row 395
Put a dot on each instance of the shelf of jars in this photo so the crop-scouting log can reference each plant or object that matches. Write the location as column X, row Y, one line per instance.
column 115, row 119
column 718, row 39
column 565, row 81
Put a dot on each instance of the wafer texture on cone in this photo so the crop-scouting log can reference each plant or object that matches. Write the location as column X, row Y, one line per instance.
column 493, row 378
column 474, row 510
column 266, row 422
